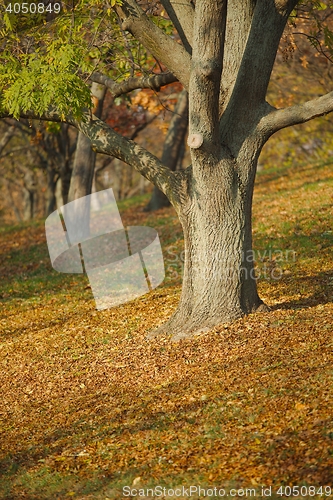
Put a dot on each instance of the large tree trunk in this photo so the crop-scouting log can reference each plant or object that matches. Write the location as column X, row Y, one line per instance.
column 219, row 282
column 10, row 200
column 234, row 45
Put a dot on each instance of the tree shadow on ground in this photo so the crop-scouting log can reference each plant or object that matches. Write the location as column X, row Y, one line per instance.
column 321, row 283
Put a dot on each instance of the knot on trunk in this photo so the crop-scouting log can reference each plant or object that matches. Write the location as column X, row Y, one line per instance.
column 194, row 141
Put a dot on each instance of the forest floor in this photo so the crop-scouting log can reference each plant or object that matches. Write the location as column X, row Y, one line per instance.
column 89, row 406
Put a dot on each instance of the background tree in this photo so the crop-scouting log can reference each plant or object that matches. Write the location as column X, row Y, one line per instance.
column 224, row 56
column 38, row 158
column 85, row 157
column 173, row 148
column 24, row 176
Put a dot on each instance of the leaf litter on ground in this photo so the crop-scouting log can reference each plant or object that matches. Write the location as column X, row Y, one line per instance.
column 89, row 405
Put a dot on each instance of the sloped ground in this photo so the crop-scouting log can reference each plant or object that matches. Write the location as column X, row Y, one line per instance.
column 89, row 406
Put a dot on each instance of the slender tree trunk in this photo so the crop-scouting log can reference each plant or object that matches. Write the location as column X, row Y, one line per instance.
column 219, row 283
column 65, row 176
column 83, row 173
column 172, row 148
column 158, row 200
column 29, row 194
column 10, row 201
column 83, row 169
column 51, row 200
column 84, row 162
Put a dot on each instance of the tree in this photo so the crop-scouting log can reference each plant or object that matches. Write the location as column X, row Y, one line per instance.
column 85, row 157
column 24, row 177
column 224, row 58
column 41, row 156
column 173, row 148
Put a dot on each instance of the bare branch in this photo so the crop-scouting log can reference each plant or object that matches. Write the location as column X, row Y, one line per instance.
column 15, row 150
column 106, row 163
column 160, row 45
column 6, row 137
column 155, row 82
column 141, row 127
column 293, row 115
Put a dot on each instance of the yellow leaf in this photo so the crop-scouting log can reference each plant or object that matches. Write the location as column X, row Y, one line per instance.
column 300, row 406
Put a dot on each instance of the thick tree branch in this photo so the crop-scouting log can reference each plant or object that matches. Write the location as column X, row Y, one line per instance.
column 155, row 82
column 259, row 55
column 239, row 22
column 206, row 70
column 263, row 42
column 106, row 141
column 250, row 88
column 181, row 13
column 293, row 115
column 160, row 45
